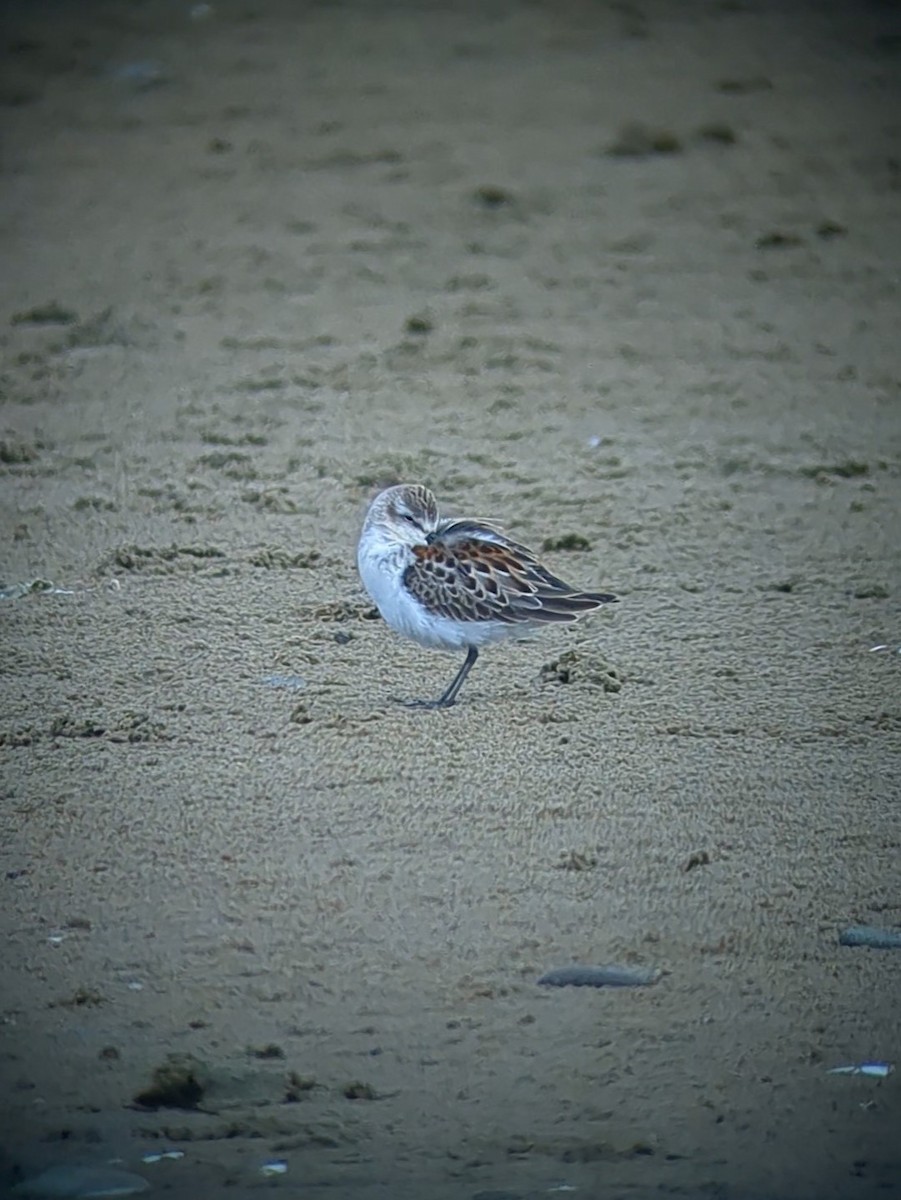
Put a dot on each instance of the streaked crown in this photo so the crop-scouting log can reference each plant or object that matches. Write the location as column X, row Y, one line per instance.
column 407, row 512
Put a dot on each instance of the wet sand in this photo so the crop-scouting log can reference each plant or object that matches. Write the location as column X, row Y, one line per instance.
column 622, row 277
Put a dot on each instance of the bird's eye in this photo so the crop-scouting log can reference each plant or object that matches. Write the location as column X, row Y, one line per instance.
column 408, row 517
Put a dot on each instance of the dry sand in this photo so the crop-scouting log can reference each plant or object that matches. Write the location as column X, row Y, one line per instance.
column 626, row 272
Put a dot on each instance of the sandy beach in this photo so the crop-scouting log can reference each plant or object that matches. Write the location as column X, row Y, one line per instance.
column 623, row 277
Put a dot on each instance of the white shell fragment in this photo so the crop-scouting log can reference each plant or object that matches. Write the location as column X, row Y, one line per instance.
column 275, row 1166
column 293, row 683
column 81, row 1183
column 579, row 975
column 872, row 936
column 155, row 1156
column 878, row 1070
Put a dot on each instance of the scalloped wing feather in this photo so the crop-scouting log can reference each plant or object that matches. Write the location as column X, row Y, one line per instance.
column 469, row 571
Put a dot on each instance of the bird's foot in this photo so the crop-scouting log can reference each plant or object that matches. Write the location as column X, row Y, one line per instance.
column 439, row 703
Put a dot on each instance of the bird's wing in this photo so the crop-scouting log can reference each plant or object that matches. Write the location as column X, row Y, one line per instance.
column 470, row 571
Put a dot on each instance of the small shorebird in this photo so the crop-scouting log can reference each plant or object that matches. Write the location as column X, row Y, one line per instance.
column 456, row 584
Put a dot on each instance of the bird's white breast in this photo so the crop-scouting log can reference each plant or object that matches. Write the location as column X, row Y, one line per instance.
column 381, row 568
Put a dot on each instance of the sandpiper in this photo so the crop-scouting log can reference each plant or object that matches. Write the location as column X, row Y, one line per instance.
column 456, row 584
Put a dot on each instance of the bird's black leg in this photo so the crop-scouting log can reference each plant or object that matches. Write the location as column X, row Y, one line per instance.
column 448, row 697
